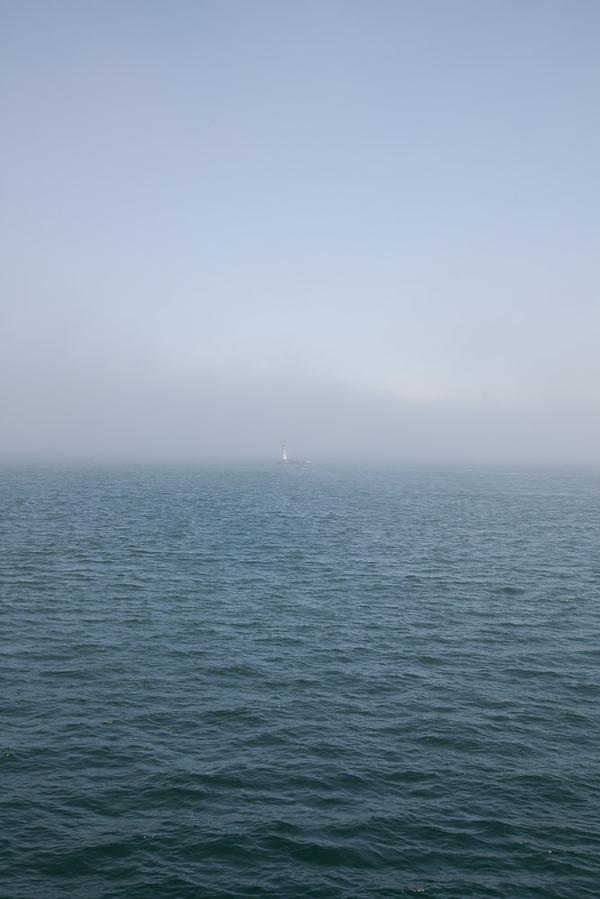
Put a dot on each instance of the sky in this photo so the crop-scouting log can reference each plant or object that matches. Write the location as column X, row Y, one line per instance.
column 369, row 229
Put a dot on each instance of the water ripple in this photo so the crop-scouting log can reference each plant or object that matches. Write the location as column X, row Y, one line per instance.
column 300, row 683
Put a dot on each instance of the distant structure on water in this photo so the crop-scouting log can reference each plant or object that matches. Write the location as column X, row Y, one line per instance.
column 284, row 459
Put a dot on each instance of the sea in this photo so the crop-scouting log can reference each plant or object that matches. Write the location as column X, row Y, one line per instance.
column 299, row 681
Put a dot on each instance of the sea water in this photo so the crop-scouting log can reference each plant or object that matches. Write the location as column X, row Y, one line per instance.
column 299, row 681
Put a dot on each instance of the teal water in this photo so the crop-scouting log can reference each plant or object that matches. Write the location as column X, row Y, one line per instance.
column 296, row 682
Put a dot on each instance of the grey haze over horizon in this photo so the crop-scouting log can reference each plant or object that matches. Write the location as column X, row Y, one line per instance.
column 369, row 230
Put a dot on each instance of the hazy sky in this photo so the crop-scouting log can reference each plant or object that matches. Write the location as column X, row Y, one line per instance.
column 368, row 228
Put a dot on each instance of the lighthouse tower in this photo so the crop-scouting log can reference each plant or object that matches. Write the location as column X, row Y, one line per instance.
column 284, row 455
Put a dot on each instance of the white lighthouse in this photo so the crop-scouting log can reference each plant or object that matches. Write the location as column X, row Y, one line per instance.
column 284, row 455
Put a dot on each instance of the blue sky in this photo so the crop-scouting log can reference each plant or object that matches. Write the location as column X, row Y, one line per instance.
column 253, row 215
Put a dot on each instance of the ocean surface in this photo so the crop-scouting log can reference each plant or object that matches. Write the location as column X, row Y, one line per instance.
column 299, row 682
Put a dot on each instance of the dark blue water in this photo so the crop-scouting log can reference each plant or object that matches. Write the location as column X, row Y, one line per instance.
column 298, row 682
